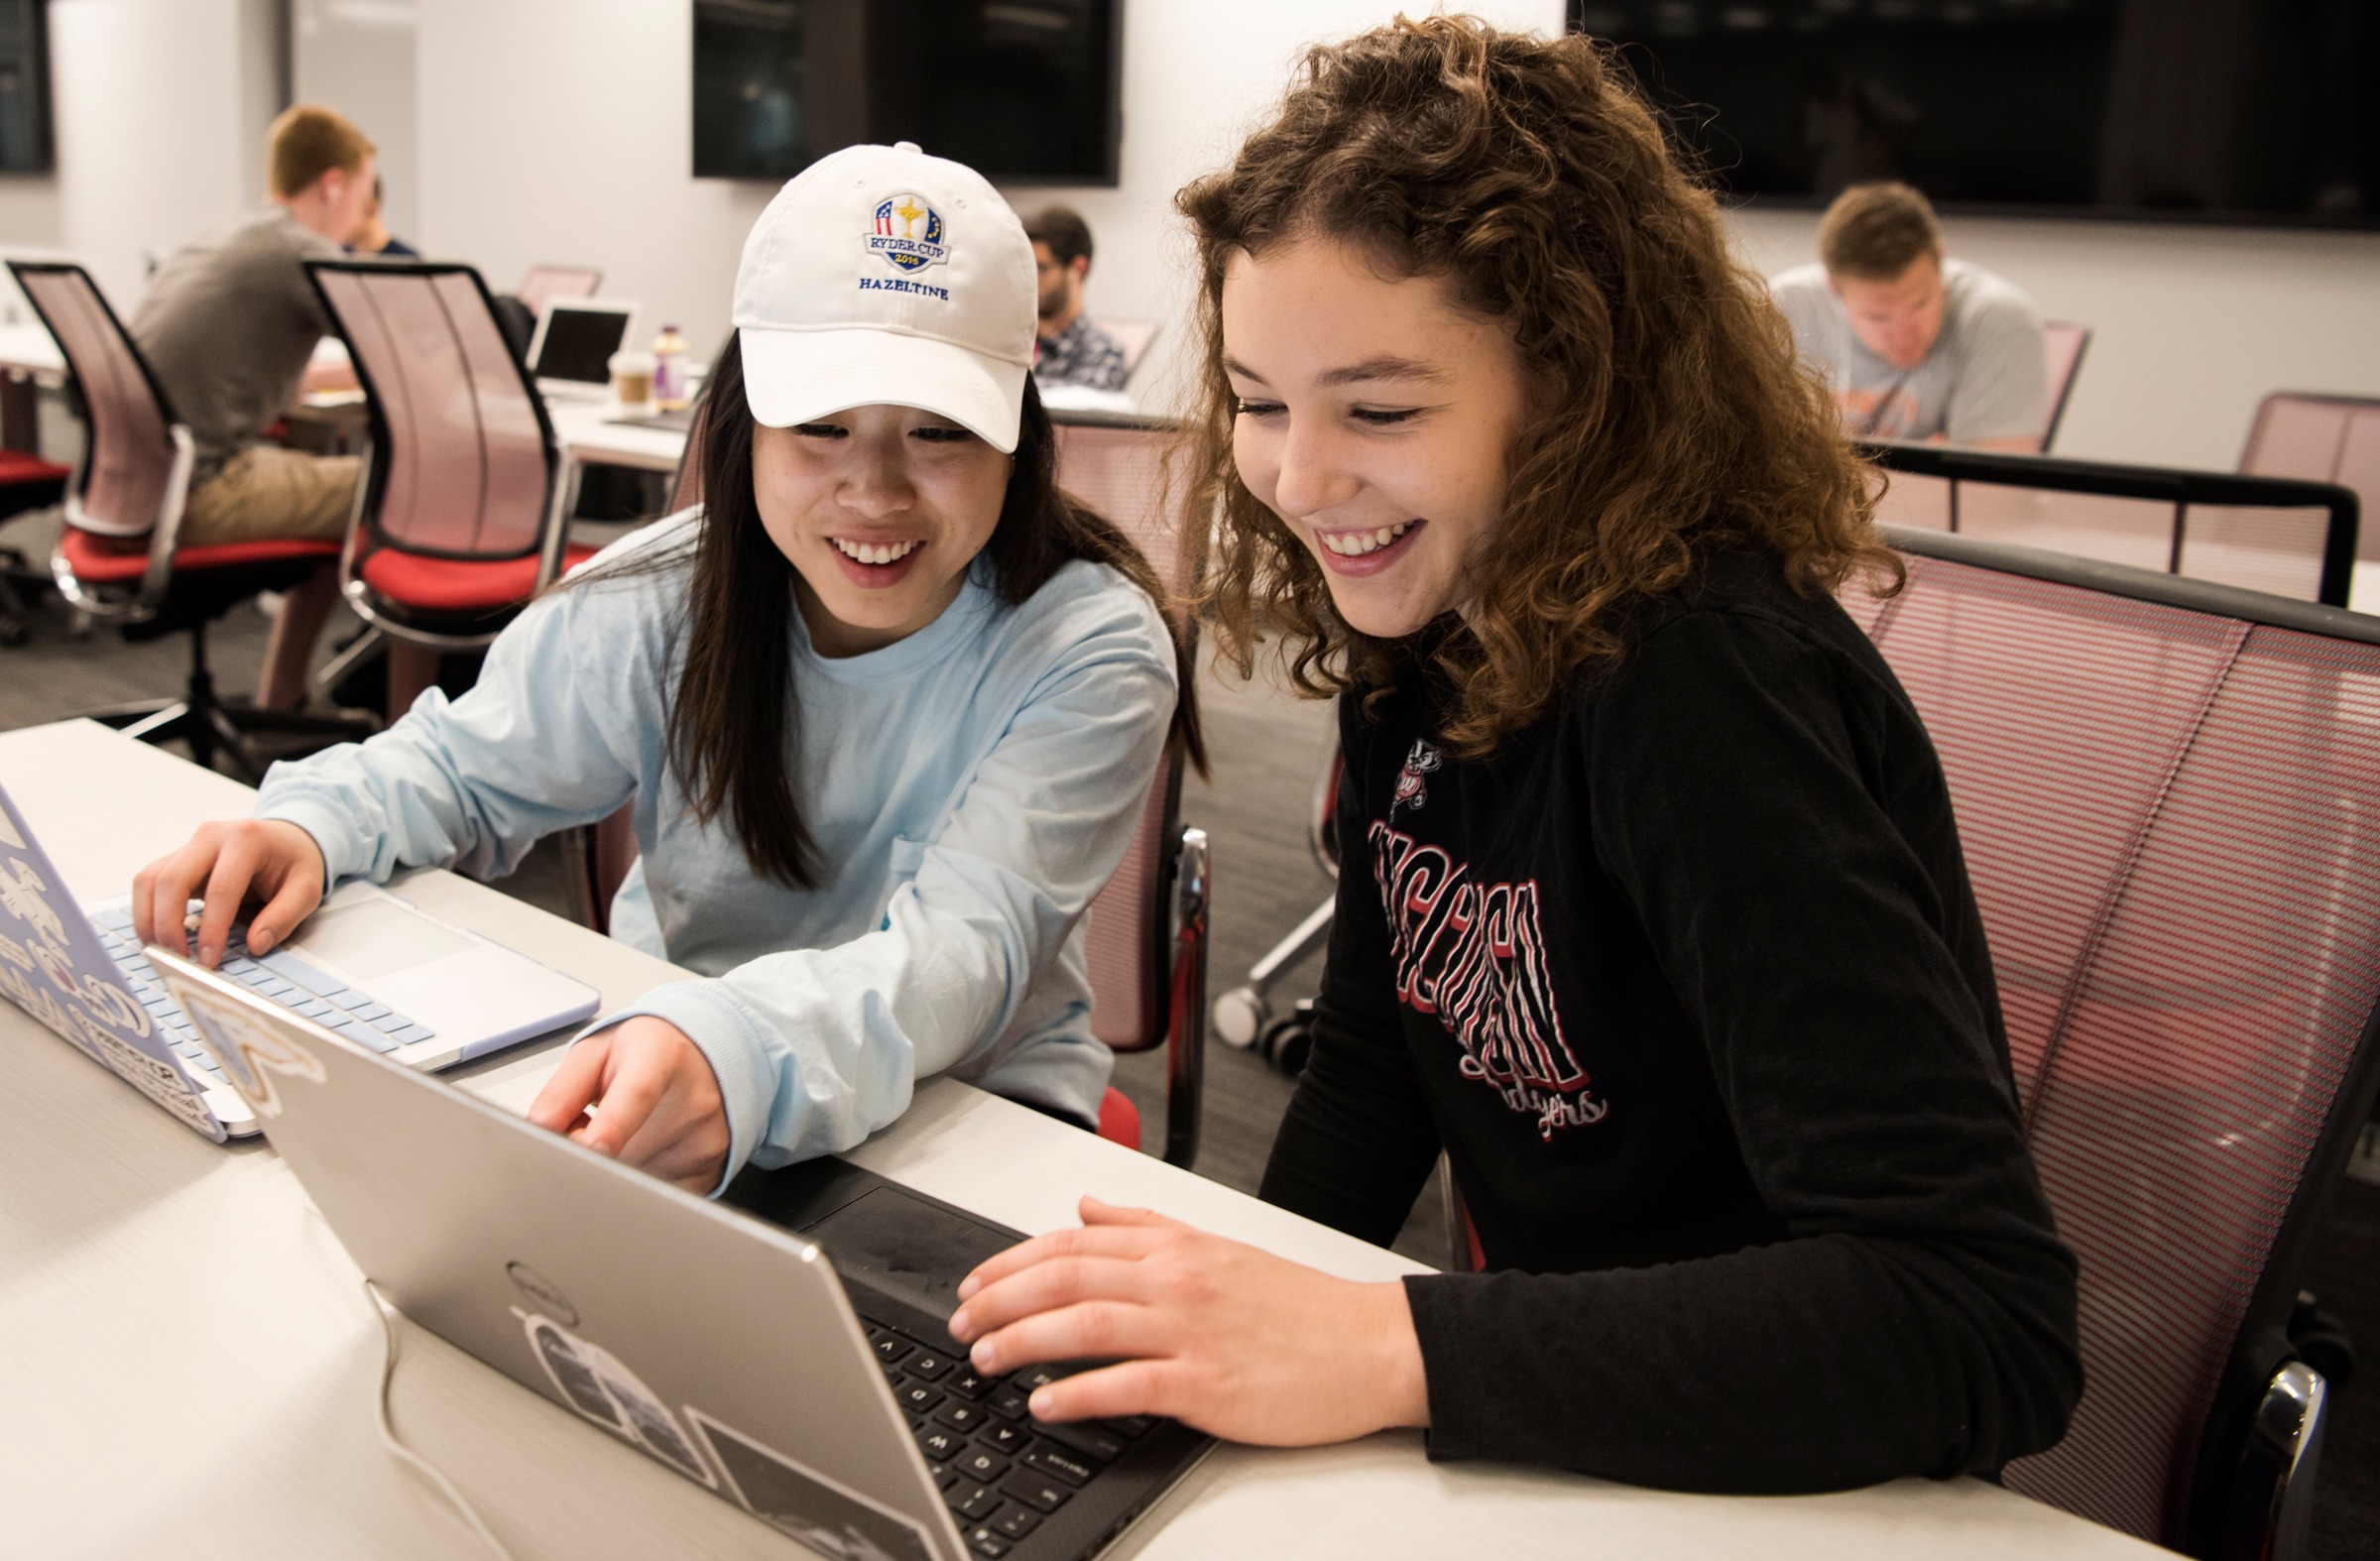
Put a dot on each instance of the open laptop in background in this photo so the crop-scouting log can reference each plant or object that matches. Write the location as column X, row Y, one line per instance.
column 365, row 965
column 813, row 1385
column 570, row 356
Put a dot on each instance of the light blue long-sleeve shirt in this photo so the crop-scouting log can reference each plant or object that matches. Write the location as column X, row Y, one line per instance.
column 969, row 789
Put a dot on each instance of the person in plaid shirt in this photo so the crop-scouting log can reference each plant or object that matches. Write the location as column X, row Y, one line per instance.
column 1070, row 349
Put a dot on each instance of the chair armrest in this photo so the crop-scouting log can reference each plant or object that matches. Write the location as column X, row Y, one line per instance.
column 1186, row 1000
column 2268, row 1508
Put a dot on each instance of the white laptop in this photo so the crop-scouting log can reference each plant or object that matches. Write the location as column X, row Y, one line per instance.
column 366, row 965
column 570, row 356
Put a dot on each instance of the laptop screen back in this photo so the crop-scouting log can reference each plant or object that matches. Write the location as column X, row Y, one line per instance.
column 579, row 343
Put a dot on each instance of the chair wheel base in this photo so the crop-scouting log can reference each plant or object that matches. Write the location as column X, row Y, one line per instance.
column 1287, row 1041
column 1238, row 1016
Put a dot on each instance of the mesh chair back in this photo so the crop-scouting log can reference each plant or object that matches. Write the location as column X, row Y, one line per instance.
column 1120, row 471
column 2064, row 344
column 464, row 458
column 128, row 465
column 2323, row 438
column 2173, row 822
column 541, row 285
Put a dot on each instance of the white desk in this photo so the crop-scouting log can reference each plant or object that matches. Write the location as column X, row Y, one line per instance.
column 189, row 1361
column 594, row 439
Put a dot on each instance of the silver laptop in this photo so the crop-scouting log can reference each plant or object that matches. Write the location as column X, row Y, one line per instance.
column 570, row 356
column 795, row 1365
column 365, row 965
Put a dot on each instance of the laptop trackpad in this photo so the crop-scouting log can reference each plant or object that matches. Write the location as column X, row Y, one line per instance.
column 910, row 1250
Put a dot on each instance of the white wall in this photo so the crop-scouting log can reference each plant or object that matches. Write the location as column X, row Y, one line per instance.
column 357, row 55
column 159, row 115
column 2191, row 325
column 560, row 130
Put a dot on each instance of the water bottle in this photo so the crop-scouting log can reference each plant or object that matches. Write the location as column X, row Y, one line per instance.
column 670, row 390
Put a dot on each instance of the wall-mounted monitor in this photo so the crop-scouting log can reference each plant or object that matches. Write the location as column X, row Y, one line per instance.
column 1025, row 92
column 2212, row 110
column 25, row 145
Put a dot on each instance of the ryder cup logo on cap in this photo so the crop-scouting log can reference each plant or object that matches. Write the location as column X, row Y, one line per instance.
column 881, row 276
column 901, row 238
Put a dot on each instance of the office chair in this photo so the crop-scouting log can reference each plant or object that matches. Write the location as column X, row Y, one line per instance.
column 2169, row 794
column 2322, row 438
column 464, row 511
column 2290, row 537
column 2064, row 343
column 540, row 285
column 1134, row 337
column 27, row 483
column 1148, row 937
column 119, row 559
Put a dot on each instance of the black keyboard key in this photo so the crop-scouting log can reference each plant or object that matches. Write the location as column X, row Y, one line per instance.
column 1014, row 1523
column 958, row 1496
column 927, row 1365
column 1058, row 1463
column 971, row 1385
column 1002, row 1438
column 1087, row 1437
column 981, row 1505
column 892, row 1373
column 1009, row 1401
column 944, row 1476
column 941, row 1445
column 916, row 1397
column 1033, row 1376
column 977, row 1464
column 985, row 1540
column 961, row 1415
column 890, row 1347
column 1131, row 1427
column 1047, row 1494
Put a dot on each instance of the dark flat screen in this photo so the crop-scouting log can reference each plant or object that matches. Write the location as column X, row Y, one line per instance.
column 579, row 343
column 909, row 1250
column 1023, row 90
column 2241, row 110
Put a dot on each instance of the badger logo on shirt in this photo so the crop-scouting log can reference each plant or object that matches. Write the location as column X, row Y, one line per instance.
column 1411, row 790
column 1472, row 955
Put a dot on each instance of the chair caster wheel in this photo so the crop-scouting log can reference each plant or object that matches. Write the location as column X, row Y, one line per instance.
column 1287, row 1041
column 1238, row 1016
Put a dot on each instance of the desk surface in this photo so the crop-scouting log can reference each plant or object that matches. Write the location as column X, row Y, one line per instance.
column 190, row 1361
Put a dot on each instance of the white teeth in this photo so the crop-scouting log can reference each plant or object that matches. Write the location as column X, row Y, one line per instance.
column 876, row 553
column 1354, row 544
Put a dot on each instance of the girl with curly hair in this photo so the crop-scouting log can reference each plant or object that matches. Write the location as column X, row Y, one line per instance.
column 1652, row 914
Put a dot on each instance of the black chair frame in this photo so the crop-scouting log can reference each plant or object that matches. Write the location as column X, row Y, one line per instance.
column 2168, row 485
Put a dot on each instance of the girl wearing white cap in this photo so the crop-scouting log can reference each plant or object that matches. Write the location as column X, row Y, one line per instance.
column 888, row 706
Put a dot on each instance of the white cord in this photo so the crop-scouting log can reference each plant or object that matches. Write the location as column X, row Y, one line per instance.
column 387, row 1427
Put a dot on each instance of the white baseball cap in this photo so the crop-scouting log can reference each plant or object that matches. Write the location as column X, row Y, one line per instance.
column 880, row 275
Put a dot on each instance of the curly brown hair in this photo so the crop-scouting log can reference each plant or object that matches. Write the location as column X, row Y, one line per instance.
column 1670, row 413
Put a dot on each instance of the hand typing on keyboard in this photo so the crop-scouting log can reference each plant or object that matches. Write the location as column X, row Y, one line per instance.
column 1214, row 1333
column 229, row 865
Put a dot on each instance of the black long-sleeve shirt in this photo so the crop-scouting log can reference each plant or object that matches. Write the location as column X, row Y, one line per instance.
column 1689, row 982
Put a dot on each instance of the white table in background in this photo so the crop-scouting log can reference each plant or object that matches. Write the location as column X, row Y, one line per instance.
column 188, row 1360
column 595, row 439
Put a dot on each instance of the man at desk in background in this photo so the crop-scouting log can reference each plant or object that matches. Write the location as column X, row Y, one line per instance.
column 230, row 324
column 1916, row 347
column 1069, row 349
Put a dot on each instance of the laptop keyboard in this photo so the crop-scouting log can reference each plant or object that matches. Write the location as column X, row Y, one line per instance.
column 287, row 980
column 1002, row 1471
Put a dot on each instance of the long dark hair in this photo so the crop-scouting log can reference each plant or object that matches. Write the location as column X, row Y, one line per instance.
column 734, row 711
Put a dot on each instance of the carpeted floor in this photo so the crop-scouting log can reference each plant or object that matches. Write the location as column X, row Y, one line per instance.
column 1268, row 749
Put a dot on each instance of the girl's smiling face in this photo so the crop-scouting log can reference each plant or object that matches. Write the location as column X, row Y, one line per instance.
column 1376, row 419
column 879, row 510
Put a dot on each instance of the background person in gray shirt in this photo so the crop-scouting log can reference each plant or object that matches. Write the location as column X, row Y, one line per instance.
column 229, row 323
column 1913, row 345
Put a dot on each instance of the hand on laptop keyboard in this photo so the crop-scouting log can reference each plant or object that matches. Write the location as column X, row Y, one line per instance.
column 225, row 864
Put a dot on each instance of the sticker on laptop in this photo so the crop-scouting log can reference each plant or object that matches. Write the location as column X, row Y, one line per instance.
column 595, row 1383
column 90, row 1015
column 251, row 1054
column 823, row 1513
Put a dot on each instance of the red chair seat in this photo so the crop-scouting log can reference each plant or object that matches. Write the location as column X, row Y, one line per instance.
column 21, row 466
column 112, row 560
column 446, row 585
column 1120, row 1120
